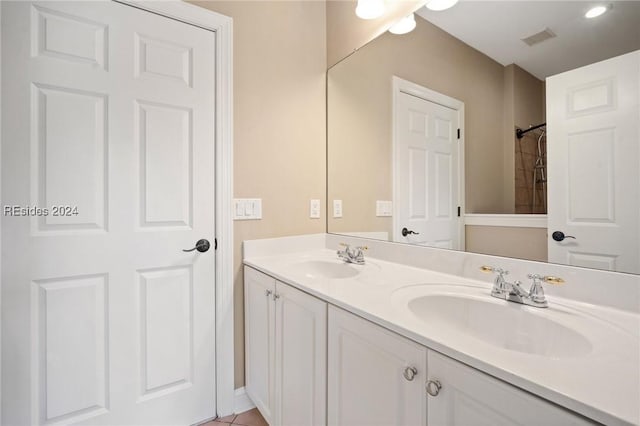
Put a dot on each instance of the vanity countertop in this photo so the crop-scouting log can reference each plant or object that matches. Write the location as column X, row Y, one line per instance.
column 603, row 384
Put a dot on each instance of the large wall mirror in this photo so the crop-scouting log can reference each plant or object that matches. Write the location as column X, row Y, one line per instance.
column 506, row 128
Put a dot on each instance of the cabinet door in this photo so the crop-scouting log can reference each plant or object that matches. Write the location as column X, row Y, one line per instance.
column 259, row 340
column 366, row 385
column 301, row 358
column 469, row 397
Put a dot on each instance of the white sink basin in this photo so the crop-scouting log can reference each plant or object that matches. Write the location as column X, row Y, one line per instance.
column 326, row 269
column 506, row 325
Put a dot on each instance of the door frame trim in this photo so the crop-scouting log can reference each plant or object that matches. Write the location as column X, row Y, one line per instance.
column 399, row 86
column 223, row 27
column 1, row 220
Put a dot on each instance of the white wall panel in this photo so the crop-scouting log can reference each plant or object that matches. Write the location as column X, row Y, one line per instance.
column 166, row 163
column 591, row 189
column 163, row 59
column 418, row 171
column 166, row 329
column 71, row 376
column 70, row 162
column 72, row 38
column 443, row 185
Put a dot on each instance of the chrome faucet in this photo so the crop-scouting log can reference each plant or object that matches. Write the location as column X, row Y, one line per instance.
column 350, row 255
column 513, row 292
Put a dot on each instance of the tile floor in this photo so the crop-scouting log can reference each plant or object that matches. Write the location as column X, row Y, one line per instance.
column 248, row 418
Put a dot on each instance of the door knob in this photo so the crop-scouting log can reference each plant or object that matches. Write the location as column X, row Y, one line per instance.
column 559, row 236
column 406, row 232
column 202, row 246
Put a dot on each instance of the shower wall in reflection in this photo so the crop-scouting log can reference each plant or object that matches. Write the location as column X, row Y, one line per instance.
column 531, row 173
column 524, row 101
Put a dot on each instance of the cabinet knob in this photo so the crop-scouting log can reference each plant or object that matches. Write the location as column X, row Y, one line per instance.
column 409, row 373
column 276, row 296
column 267, row 293
column 433, row 387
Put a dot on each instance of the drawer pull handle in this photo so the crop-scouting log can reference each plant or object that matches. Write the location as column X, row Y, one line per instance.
column 433, row 387
column 409, row 373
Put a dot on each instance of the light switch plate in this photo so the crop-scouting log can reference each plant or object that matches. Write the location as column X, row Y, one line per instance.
column 314, row 209
column 384, row 208
column 247, row 208
column 337, row 208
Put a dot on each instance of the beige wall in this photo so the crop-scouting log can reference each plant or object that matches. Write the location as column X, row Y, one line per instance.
column 508, row 139
column 279, row 123
column 346, row 32
column 360, row 126
column 521, row 243
column 529, row 100
column 280, row 59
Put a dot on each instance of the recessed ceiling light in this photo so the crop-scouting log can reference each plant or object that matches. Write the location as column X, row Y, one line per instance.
column 370, row 9
column 438, row 5
column 596, row 11
column 403, row 26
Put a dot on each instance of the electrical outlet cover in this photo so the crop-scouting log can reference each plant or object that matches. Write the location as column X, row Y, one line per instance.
column 337, row 208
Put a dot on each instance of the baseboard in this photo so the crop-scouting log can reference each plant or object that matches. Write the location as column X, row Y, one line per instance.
column 242, row 402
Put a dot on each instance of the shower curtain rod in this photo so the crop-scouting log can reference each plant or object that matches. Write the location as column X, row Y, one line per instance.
column 520, row 133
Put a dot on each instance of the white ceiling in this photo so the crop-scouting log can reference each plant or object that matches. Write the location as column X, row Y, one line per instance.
column 496, row 28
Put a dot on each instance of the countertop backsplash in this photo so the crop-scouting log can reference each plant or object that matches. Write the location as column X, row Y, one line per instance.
column 612, row 289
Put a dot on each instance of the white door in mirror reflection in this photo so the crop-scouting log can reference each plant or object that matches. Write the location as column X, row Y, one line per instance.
column 594, row 162
column 426, row 170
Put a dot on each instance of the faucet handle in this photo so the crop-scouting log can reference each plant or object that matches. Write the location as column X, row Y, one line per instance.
column 499, row 271
column 363, row 248
column 536, row 292
column 553, row 280
column 347, row 248
column 546, row 278
column 499, row 283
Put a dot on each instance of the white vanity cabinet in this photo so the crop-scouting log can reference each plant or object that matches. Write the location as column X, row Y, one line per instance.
column 310, row 363
column 285, row 350
column 367, row 365
column 367, row 384
column 469, row 397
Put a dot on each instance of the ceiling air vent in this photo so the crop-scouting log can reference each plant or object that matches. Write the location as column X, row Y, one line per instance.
column 536, row 38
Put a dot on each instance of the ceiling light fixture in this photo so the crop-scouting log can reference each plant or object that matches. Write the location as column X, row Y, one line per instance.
column 370, row 9
column 403, row 26
column 596, row 11
column 438, row 5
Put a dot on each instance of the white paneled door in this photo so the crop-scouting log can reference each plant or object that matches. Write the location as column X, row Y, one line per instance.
column 426, row 172
column 108, row 125
column 594, row 165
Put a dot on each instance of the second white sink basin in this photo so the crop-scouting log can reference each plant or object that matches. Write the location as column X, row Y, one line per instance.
column 325, row 269
column 506, row 325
